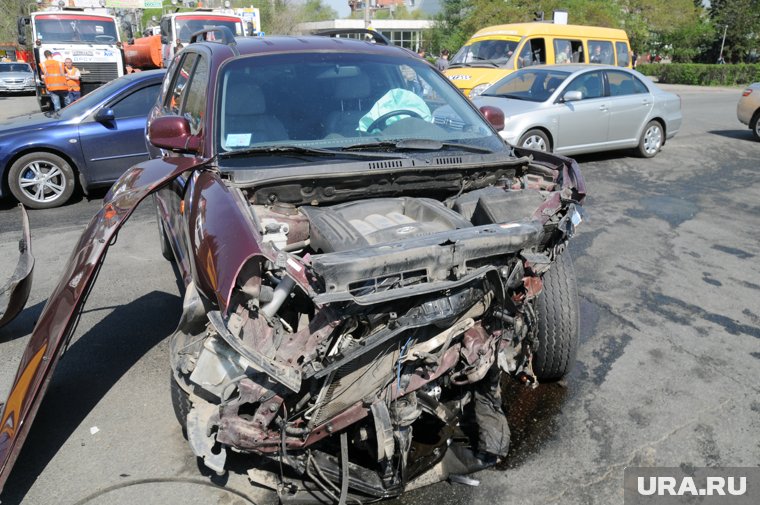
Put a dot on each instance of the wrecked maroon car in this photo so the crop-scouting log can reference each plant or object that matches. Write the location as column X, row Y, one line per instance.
column 364, row 260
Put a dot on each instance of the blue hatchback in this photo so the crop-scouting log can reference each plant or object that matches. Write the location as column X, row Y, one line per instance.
column 94, row 140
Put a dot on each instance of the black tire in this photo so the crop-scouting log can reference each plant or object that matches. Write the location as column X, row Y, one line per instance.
column 30, row 182
column 651, row 140
column 558, row 317
column 535, row 139
column 755, row 125
column 181, row 403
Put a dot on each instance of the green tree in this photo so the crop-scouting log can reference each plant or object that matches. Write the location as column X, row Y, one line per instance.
column 741, row 21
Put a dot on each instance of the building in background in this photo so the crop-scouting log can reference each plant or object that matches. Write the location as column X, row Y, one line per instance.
column 401, row 32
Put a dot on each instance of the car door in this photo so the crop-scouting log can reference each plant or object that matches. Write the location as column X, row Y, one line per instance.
column 630, row 104
column 111, row 143
column 583, row 124
column 186, row 93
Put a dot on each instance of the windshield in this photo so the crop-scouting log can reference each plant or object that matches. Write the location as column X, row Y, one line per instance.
column 497, row 52
column 70, row 28
column 186, row 26
column 333, row 101
column 15, row 67
column 531, row 85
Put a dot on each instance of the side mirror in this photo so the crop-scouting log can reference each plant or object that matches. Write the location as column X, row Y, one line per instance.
column 127, row 27
column 166, row 30
column 173, row 133
column 105, row 116
column 493, row 115
column 572, row 96
column 22, row 22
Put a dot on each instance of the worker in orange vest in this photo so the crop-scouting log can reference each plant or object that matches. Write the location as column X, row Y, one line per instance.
column 55, row 79
column 73, row 78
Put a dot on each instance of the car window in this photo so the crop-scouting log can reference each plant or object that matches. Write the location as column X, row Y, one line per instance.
column 623, row 83
column 532, row 53
column 623, row 57
column 181, row 76
column 137, row 103
column 568, row 51
column 195, row 102
column 15, row 67
column 589, row 84
column 600, row 51
column 496, row 51
column 533, row 85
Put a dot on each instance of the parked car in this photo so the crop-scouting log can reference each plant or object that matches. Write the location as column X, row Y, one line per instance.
column 748, row 108
column 359, row 270
column 93, row 141
column 573, row 109
column 16, row 77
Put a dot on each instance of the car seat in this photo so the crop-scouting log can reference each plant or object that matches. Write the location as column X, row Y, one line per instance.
column 552, row 84
column 592, row 87
column 353, row 96
column 245, row 112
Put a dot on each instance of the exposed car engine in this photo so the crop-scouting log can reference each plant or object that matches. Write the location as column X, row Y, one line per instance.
column 363, row 349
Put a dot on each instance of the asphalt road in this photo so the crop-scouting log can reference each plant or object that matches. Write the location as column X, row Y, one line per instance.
column 667, row 372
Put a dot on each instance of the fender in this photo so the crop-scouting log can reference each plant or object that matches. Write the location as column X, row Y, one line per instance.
column 55, row 324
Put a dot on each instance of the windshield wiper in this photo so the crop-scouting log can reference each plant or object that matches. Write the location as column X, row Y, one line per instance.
column 415, row 145
column 290, row 149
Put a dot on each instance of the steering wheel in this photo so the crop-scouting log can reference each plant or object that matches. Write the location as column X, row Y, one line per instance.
column 385, row 117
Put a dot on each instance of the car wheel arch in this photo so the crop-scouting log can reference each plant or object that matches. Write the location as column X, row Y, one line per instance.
column 754, row 119
column 543, row 129
column 37, row 149
column 662, row 125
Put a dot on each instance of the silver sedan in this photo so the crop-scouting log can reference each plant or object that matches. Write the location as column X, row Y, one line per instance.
column 748, row 108
column 573, row 109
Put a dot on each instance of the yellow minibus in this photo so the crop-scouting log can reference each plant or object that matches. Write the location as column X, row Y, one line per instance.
column 496, row 51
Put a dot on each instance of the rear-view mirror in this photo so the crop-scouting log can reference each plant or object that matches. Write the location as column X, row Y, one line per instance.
column 572, row 96
column 493, row 115
column 173, row 133
column 105, row 116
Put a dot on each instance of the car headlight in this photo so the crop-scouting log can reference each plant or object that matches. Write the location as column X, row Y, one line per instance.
column 477, row 90
column 29, row 80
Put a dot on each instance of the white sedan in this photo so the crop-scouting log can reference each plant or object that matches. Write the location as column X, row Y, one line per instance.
column 573, row 109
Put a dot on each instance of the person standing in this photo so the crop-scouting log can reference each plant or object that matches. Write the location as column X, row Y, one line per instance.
column 73, row 80
column 442, row 63
column 55, row 80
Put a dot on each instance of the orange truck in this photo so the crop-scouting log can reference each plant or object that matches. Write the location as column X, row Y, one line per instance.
column 157, row 49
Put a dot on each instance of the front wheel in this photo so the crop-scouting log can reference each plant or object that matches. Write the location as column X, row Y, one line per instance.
column 755, row 125
column 651, row 140
column 41, row 180
column 558, row 316
column 535, row 139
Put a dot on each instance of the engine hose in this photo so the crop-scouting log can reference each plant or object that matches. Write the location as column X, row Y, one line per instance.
column 343, row 468
column 279, row 296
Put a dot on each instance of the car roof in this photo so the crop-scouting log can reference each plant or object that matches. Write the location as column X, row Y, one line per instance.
column 575, row 67
column 308, row 43
column 144, row 75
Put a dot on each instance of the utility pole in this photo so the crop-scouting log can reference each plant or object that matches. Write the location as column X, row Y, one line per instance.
column 722, row 44
column 366, row 13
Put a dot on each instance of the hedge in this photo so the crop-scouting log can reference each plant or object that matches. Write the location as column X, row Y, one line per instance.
column 702, row 75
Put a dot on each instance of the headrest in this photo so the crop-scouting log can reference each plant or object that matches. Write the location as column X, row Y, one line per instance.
column 349, row 88
column 244, row 97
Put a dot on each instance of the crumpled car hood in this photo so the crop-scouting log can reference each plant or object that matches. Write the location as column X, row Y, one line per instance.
column 54, row 326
